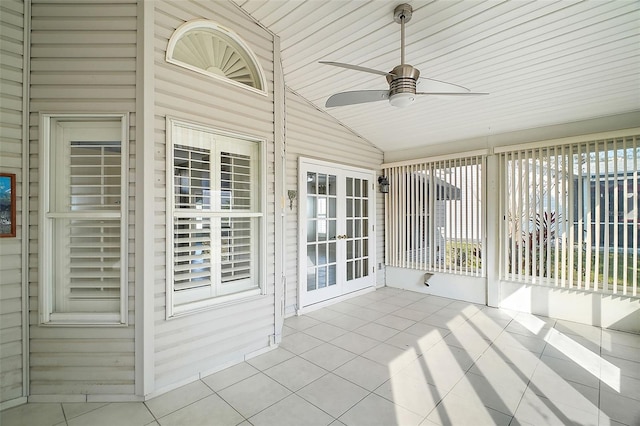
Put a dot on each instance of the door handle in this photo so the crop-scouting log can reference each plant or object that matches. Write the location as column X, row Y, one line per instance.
column 341, row 237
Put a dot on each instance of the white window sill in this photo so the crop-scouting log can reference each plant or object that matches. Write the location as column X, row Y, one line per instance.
column 215, row 303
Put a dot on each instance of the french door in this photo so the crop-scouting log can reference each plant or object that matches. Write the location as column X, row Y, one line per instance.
column 337, row 238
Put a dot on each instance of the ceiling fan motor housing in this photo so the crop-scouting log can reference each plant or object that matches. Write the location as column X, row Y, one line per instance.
column 402, row 85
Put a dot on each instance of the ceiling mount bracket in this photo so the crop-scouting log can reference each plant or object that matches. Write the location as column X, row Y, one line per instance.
column 402, row 11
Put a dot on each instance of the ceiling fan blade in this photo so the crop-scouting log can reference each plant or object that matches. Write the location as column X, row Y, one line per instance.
column 356, row 97
column 355, row 67
column 434, row 85
column 452, row 93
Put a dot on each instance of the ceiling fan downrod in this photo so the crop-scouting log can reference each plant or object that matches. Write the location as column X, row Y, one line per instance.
column 402, row 79
column 402, row 14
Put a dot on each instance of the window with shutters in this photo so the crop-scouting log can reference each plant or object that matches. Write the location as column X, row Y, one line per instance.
column 83, row 271
column 216, row 208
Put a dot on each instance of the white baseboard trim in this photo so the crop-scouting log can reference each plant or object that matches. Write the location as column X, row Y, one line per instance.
column 13, row 403
column 335, row 300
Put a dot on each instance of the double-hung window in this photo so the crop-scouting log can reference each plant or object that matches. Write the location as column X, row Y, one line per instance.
column 83, row 231
column 214, row 196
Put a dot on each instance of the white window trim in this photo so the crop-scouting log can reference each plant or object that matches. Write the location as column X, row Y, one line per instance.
column 204, row 23
column 45, row 238
column 171, row 310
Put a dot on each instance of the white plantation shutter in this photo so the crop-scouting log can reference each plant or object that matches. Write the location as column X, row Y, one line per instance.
column 94, row 175
column 235, row 180
column 88, row 250
column 192, row 253
column 236, row 249
column 83, row 226
column 93, row 275
column 216, row 215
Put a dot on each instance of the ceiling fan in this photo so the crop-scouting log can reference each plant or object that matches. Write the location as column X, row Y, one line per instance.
column 402, row 79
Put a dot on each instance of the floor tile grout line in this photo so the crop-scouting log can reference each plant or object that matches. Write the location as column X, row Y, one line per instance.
column 242, row 415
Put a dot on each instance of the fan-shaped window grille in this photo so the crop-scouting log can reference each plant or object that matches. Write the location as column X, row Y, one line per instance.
column 210, row 49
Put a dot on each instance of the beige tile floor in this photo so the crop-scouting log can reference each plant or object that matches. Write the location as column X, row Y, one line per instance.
column 395, row 357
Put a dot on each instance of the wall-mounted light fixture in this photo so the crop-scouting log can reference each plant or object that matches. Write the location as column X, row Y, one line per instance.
column 384, row 184
column 292, row 194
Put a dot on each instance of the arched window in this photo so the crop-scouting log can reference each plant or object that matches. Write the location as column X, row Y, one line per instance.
column 211, row 49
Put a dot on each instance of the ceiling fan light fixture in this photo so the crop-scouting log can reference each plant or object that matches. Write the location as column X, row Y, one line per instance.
column 402, row 100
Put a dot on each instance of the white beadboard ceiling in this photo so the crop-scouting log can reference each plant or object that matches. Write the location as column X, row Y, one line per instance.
column 544, row 62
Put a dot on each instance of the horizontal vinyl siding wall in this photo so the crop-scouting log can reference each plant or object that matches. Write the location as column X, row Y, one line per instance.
column 197, row 343
column 83, row 60
column 312, row 133
column 11, row 67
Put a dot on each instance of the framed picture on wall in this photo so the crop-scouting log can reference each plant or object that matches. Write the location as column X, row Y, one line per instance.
column 7, row 205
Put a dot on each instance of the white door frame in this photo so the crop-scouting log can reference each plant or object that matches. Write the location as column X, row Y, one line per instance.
column 303, row 164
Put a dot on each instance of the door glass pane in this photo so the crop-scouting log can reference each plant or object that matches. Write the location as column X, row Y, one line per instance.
column 332, row 185
column 311, row 255
column 365, row 228
column 356, row 248
column 322, row 184
column 350, row 249
column 350, row 228
column 365, row 188
column 332, row 252
column 322, row 277
column 357, row 211
column 311, row 230
column 356, row 227
column 349, row 270
column 311, row 207
column 311, row 183
column 358, row 272
column 365, row 267
column 332, row 207
column 332, row 275
column 365, row 247
column 349, row 207
column 322, row 254
column 349, row 187
column 311, row 279
column 357, row 184
column 332, row 230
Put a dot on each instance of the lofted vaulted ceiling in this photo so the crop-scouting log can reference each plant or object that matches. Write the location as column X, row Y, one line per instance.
column 543, row 62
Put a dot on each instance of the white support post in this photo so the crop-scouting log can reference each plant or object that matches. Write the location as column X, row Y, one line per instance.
column 491, row 251
column 279, row 192
column 145, row 202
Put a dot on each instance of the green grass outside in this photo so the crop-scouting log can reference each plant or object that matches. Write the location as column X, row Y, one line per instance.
column 561, row 271
column 458, row 254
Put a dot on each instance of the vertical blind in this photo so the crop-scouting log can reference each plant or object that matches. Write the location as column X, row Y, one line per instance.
column 572, row 215
column 435, row 215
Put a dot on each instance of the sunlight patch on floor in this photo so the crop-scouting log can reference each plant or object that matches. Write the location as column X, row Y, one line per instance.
column 594, row 364
column 591, row 362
